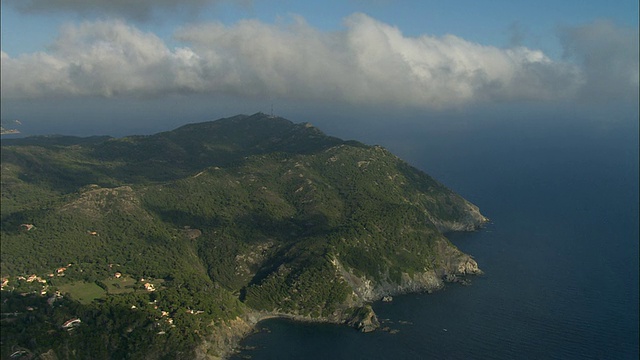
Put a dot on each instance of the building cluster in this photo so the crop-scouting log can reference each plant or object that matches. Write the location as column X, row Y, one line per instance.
column 34, row 278
column 149, row 287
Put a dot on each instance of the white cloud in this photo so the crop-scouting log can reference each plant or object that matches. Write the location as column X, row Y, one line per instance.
column 369, row 62
column 101, row 58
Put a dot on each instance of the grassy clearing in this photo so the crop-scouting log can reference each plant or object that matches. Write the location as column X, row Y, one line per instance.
column 125, row 284
column 83, row 292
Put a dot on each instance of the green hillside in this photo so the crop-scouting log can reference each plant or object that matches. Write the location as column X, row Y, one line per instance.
column 227, row 221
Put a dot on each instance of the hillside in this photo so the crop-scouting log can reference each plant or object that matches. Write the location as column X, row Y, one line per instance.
column 161, row 243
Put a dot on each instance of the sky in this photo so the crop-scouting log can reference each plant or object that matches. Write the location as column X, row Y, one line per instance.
column 118, row 67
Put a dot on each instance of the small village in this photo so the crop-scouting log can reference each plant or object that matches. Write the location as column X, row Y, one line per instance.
column 10, row 284
column 118, row 283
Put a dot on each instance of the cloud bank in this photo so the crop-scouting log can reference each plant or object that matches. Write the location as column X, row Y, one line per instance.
column 609, row 58
column 369, row 62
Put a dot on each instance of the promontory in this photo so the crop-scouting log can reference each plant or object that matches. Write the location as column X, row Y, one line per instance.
column 173, row 245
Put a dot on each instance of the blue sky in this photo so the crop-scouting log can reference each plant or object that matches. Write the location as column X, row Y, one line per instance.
column 226, row 56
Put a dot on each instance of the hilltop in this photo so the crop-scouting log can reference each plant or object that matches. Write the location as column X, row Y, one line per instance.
column 174, row 245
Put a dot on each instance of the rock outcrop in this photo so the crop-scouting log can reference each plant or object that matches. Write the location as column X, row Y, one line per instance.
column 468, row 220
column 364, row 319
column 225, row 338
column 453, row 266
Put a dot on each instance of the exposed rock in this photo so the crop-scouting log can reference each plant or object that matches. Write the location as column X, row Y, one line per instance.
column 468, row 266
column 469, row 220
column 364, row 319
column 225, row 338
column 49, row 355
column 390, row 330
column 367, row 290
column 96, row 202
column 190, row 233
column 450, row 278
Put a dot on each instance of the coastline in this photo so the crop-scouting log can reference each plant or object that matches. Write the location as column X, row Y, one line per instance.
column 226, row 339
column 357, row 312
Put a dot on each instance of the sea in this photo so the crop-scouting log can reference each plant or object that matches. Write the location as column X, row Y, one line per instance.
column 560, row 255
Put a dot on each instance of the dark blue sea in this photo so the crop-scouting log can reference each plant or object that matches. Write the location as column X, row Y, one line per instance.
column 560, row 255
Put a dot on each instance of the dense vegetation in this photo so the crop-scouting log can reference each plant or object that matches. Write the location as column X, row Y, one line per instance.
column 249, row 212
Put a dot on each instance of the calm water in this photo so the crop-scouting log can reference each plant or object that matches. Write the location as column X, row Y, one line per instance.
column 560, row 256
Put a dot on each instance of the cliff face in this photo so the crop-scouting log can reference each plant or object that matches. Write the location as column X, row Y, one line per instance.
column 468, row 220
column 367, row 290
column 453, row 265
column 225, row 338
column 237, row 220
